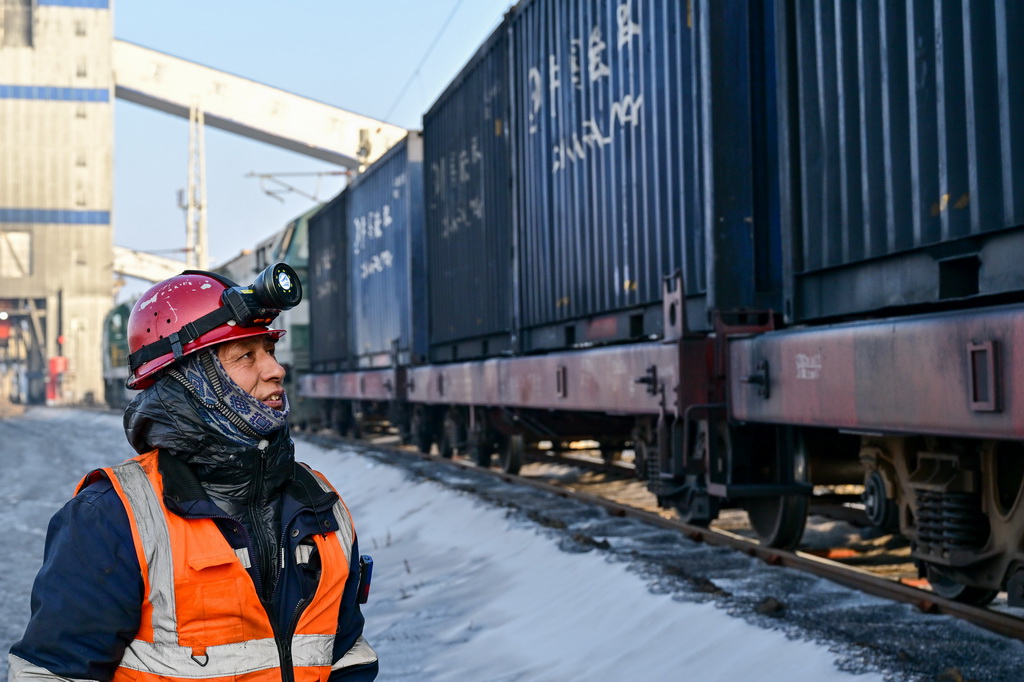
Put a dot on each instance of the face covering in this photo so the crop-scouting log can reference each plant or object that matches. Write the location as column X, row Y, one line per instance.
column 224, row 405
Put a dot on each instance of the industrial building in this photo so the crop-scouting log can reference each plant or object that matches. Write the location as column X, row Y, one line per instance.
column 56, row 194
column 60, row 72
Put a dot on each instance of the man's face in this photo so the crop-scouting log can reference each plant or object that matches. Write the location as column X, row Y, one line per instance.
column 251, row 364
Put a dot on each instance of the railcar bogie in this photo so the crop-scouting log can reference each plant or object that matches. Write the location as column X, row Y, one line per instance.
column 340, row 416
column 480, row 432
column 421, row 428
column 959, row 501
column 707, row 463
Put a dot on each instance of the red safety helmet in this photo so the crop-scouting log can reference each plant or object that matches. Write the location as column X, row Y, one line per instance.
column 169, row 309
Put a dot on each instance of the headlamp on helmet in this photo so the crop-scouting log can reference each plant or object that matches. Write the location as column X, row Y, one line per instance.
column 274, row 290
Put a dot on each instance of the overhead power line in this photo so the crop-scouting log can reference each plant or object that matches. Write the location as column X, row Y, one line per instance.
column 423, row 60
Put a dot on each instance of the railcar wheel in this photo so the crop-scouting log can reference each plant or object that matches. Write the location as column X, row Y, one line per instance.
column 641, row 451
column 610, row 455
column 449, row 436
column 511, row 455
column 481, row 453
column 481, row 442
column 419, row 429
column 946, row 587
column 779, row 521
column 882, row 511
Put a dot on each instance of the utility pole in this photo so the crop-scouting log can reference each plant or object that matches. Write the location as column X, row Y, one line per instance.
column 196, row 242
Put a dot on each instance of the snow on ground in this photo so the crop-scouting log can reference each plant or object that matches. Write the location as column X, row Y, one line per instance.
column 462, row 589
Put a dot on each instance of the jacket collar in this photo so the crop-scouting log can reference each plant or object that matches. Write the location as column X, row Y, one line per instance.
column 184, row 494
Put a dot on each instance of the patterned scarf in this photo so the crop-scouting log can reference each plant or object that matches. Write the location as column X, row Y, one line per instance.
column 225, row 405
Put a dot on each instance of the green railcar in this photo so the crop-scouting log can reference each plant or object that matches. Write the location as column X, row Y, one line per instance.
column 115, row 356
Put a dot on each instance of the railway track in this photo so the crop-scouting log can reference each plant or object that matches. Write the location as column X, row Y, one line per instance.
column 838, row 571
column 885, row 572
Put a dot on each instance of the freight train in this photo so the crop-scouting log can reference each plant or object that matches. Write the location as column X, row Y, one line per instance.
column 766, row 245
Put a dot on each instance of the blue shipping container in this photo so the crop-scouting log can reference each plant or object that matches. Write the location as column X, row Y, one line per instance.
column 638, row 128
column 907, row 142
column 327, row 289
column 387, row 269
column 469, row 209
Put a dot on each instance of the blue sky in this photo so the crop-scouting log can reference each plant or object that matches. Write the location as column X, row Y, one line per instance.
column 358, row 55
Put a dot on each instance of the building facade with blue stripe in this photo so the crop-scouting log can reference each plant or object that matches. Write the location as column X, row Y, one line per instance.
column 56, row 189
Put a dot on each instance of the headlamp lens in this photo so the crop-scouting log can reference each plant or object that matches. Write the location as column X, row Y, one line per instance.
column 277, row 287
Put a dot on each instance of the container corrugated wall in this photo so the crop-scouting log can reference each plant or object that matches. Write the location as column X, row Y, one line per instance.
column 468, row 209
column 387, row 271
column 634, row 133
column 606, row 161
column 908, row 142
column 327, row 288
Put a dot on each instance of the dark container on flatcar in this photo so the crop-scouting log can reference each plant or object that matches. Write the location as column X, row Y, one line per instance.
column 328, row 288
column 467, row 187
column 644, row 144
column 904, row 183
column 386, row 259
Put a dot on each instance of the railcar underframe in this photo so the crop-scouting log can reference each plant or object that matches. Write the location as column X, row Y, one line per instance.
column 920, row 410
column 935, row 403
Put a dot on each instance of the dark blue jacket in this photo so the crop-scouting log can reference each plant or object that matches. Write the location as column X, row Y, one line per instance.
column 87, row 598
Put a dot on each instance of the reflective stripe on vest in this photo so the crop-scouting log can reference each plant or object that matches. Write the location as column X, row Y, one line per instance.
column 164, row 656
column 156, row 544
column 225, row 660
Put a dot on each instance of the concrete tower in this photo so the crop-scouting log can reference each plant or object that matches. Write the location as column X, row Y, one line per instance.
column 56, row 194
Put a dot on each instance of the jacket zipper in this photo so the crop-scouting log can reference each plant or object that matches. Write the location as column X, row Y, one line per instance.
column 284, row 644
column 258, row 541
column 284, row 652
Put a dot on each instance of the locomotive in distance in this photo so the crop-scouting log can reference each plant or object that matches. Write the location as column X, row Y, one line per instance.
column 794, row 259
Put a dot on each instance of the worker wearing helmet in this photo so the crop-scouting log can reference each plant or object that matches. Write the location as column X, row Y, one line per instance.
column 213, row 554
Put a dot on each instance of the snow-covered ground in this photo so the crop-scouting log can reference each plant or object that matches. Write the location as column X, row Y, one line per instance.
column 463, row 589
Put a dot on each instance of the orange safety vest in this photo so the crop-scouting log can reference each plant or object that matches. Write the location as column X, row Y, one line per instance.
column 201, row 615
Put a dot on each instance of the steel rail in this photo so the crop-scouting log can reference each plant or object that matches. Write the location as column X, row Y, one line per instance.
column 856, row 578
column 850, row 576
